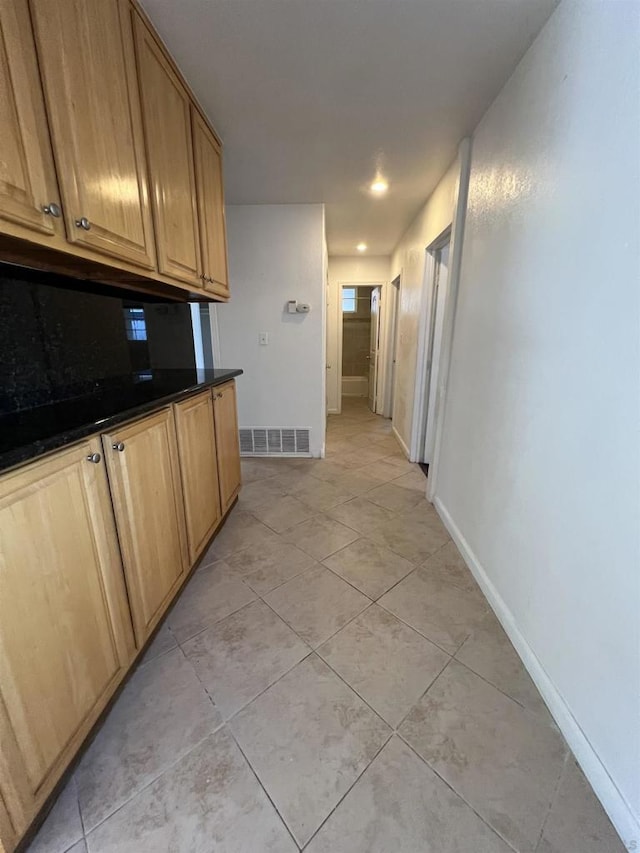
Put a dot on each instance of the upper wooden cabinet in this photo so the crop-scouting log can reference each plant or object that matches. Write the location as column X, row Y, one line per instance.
column 199, row 469
column 65, row 631
column 145, row 484
column 87, row 62
column 28, row 189
column 167, row 125
column 227, row 441
column 213, row 238
column 105, row 157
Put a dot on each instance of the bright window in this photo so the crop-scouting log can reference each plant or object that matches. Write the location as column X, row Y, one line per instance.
column 134, row 324
column 349, row 300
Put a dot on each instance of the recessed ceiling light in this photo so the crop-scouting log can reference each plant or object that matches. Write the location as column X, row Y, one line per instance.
column 379, row 186
column 361, row 247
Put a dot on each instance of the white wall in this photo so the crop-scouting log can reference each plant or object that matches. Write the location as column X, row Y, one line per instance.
column 408, row 261
column 539, row 474
column 346, row 270
column 276, row 253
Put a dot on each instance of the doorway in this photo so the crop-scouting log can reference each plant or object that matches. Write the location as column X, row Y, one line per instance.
column 429, row 375
column 359, row 340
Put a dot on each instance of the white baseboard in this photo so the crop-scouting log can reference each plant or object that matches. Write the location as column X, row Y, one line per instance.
column 401, row 441
column 613, row 802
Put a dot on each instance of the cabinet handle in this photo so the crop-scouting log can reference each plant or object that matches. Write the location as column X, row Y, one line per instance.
column 119, row 446
column 51, row 209
column 94, row 457
column 83, row 223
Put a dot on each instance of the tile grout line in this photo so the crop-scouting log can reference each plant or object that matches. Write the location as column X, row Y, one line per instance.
column 263, row 788
column 554, row 796
column 423, row 694
column 456, row 793
column 417, row 630
column 371, row 708
column 154, row 780
column 306, row 642
column 528, row 711
column 348, row 791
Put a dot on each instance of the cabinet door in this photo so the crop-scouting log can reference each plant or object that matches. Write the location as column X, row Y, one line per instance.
column 167, row 125
column 28, row 185
column 85, row 50
column 199, row 469
column 227, row 441
column 65, row 630
column 147, row 498
column 213, row 237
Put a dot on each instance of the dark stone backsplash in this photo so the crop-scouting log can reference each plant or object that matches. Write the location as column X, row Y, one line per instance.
column 60, row 339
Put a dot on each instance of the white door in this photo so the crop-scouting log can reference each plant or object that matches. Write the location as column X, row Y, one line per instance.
column 441, row 283
column 374, row 344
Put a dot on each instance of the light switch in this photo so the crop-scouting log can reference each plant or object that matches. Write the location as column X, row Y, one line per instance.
column 263, row 338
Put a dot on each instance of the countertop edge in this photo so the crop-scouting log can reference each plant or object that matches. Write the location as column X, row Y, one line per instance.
column 36, row 450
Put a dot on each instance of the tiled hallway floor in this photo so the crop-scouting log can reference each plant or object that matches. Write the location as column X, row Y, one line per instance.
column 331, row 679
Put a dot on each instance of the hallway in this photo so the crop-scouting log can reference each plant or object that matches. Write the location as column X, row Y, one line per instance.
column 330, row 679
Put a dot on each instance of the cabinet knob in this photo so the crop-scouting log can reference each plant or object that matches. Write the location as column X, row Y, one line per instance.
column 203, row 276
column 209, row 279
column 52, row 209
column 119, row 446
column 94, row 457
column 84, row 223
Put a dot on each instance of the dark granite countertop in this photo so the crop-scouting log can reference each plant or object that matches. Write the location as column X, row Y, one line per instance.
column 33, row 432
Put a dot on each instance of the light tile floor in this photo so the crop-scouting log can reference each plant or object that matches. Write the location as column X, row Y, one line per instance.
column 332, row 680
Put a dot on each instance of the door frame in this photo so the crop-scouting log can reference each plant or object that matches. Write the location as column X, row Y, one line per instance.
column 425, row 333
column 341, row 285
column 378, row 353
column 390, row 315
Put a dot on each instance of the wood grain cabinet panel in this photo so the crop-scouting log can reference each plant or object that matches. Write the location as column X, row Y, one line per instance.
column 28, row 184
column 167, row 125
column 228, row 442
column 145, row 484
column 213, row 236
column 199, row 469
column 65, row 630
column 85, row 50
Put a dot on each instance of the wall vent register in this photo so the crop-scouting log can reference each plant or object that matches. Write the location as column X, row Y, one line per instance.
column 274, row 441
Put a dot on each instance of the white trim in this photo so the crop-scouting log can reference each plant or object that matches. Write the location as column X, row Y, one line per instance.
column 455, row 260
column 612, row 800
column 391, row 344
column 215, row 334
column 196, row 328
column 400, row 440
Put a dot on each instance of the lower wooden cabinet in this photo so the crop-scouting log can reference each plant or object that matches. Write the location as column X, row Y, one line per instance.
column 199, row 468
column 142, row 460
column 88, row 567
column 65, row 631
column 227, row 441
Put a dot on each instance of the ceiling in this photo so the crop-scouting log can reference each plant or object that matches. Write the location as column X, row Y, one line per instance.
column 312, row 97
